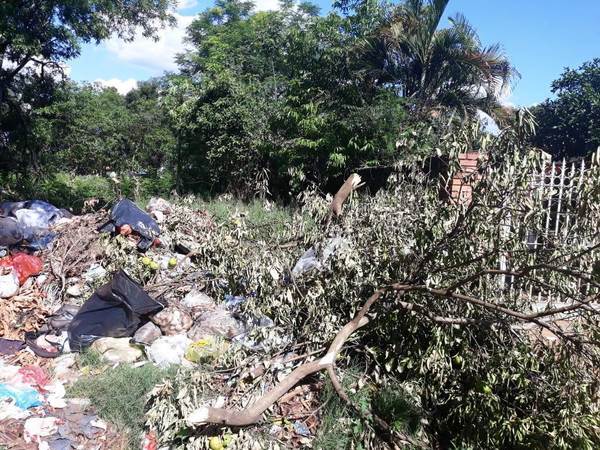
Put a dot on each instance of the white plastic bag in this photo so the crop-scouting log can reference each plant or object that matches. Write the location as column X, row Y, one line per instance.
column 9, row 284
column 167, row 350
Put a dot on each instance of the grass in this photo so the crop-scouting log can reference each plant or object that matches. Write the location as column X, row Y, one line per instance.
column 119, row 394
column 266, row 222
column 340, row 425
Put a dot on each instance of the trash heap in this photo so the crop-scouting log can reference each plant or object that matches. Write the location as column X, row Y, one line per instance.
column 136, row 285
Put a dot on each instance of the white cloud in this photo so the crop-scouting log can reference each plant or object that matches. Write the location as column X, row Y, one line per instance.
column 266, row 5
column 185, row 4
column 122, row 86
column 157, row 55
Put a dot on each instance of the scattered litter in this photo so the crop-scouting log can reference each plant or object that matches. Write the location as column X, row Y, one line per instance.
column 10, row 232
column 95, row 272
column 114, row 310
column 9, row 282
column 36, row 427
column 301, row 428
column 33, row 376
column 126, row 214
column 24, row 397
column 117, row 350
column 56, row 395
column 218, row 322
column 172, row 321
column 9, row 410
column 206, row 350
column 168, row 350
column 196, row 298
column 28, row 223
column 147, row 334
column 233, row 301
column 311, row 260
column 24, row 265
column 74, row 290
column 159, row 204
column 10, row 346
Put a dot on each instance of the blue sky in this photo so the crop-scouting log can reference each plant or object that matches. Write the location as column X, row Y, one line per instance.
column 540, row 37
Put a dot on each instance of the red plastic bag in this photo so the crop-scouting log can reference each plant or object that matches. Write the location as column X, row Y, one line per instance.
column 150, row 442
column 25, row 265
column 34, row 376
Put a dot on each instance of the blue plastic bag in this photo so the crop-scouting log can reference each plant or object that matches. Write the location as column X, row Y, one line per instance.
column 24, row 398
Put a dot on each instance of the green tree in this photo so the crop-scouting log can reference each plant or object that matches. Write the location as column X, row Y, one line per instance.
column 88, row 129
column 435, row 66
column 277, row 93
column 569, row 125
column 37, row 37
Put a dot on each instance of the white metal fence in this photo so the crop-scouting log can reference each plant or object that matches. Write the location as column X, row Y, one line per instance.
column 556, row 185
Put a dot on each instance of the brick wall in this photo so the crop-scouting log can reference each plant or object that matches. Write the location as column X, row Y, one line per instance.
column 461, row 190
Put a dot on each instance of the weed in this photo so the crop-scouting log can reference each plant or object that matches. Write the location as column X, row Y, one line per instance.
column 341, row 427
column 119, row 394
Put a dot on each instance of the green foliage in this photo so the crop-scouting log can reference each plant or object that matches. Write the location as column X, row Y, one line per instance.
column 569, row 125
column 342, row 428
column 481, row 383
column 276, row 93
column 36, row 38
column 93, row 130
column 435, row 66
column 119, row 394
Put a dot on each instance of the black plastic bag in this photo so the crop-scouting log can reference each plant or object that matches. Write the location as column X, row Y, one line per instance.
column 116, row 309
column 125, row 212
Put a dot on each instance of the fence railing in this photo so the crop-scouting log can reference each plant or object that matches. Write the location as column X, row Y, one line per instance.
column 557, row 186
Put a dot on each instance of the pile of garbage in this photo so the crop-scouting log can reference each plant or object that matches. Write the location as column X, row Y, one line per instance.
column 131, row 285
column 34, row 412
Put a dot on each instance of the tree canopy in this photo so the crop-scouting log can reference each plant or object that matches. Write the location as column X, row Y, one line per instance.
column 569, row 125
column 37, row 37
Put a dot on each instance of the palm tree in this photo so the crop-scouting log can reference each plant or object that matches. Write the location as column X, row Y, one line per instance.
column 433, row 66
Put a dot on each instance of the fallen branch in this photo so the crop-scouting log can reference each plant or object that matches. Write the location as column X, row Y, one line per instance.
column 352, row 183
column 253, row 413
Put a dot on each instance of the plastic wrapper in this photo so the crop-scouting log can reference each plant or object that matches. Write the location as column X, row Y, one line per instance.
column 125, row 212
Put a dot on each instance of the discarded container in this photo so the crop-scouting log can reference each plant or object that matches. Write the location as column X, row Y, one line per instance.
column 167, row 350
column 114, row 310
column 125, row 212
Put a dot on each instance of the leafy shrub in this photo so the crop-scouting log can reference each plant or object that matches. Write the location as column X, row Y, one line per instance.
column 71, row 191
column 479, row 379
